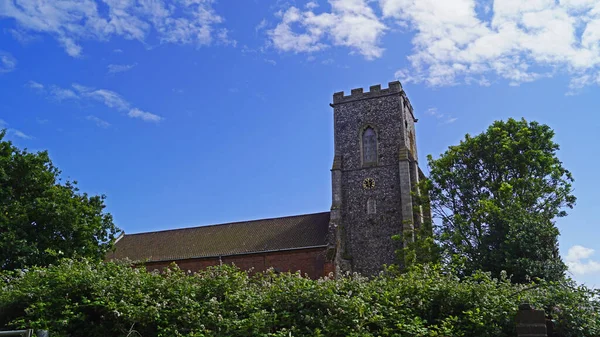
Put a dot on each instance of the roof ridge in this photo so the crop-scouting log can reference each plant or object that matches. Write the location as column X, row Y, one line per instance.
column 225, row 223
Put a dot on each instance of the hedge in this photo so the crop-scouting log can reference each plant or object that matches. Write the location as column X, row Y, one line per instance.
column 84, row 298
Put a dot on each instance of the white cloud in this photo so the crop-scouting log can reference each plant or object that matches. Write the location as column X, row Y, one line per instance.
column 351, row 23
column 15, row 132
column 458, row 41
column 109, row 98
column 71, row 47
column 434, row 112
column 20, row 134
column 34, row 85
column 119, row 68
column 311, row 5
column 99, row 122
column 73, row 21
column 261, row 25
column 145, row 116
column 62, row 93
column 81, row 88
column 223, row 38
column 7, row 62
column 21, row 36
column 579, row 262
column 52, row 91
column 444, row 118
column 520, row 41
column 271, row 62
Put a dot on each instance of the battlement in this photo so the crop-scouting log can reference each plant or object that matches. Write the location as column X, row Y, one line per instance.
column 374, row 91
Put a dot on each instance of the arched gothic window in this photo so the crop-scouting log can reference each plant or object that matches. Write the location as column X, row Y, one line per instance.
column 369, row 144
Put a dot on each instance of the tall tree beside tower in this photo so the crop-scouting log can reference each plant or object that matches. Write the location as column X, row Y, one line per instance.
column 40, row 214
column 497, row 195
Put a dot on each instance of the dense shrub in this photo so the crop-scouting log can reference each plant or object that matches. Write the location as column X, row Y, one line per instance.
column 83, row 298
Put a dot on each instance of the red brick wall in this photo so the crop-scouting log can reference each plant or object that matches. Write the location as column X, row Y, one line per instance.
column 309, row 261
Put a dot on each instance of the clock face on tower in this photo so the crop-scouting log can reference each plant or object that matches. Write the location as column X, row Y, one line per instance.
column 368, row 183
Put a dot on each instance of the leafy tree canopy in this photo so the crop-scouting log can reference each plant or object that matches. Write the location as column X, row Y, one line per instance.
column 40, row 215
column 497, row 195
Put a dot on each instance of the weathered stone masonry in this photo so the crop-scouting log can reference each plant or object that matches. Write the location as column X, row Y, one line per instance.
column 362, row 238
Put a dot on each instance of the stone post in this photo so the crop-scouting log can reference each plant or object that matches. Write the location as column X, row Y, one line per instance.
column 337, row 235
column 530, row 322
column 405, row 195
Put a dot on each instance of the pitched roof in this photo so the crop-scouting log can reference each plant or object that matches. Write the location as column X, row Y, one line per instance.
column 244, row 237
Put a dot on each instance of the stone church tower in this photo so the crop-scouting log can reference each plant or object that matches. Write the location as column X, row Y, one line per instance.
column 374, row 171
column 374, row 175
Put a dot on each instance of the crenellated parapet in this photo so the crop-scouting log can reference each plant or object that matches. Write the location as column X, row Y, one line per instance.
column 374, row 92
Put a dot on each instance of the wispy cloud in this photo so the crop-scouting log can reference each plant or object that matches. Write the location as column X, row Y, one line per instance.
column 72, row 21
column 271, row 62
column 62, row 93
column 119, row 68
column 20, row 134
column 327, row 61
column 579, row 262
column 99, row 122
column 223, row 38
column 261, row 26
column 7, row 62
column 21, row 36
column 107, row 97
column 14, row 132
column 34, row 85
column 443, row 118
column 52, row 91
column 143, row 115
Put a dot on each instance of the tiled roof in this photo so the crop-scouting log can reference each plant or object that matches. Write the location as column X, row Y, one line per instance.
column 290, row 232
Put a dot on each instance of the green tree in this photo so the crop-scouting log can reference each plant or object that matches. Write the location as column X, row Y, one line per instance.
column 418, row 246
column 42, row 218
column 497, row 195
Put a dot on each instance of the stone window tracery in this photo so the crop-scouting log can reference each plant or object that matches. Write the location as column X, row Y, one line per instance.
column 369, row 146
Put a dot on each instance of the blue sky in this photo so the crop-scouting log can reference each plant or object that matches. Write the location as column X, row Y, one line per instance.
column 197, row 112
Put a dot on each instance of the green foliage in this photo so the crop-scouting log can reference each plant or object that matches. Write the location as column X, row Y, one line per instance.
column 83, row 298
column 419, row 246
column 497, row 195
column 419, row 249
column 39, row 215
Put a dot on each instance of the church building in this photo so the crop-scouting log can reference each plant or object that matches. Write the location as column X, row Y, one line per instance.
column 373, row 177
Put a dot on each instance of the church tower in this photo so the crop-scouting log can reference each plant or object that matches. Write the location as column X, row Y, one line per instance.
column 374, row 171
